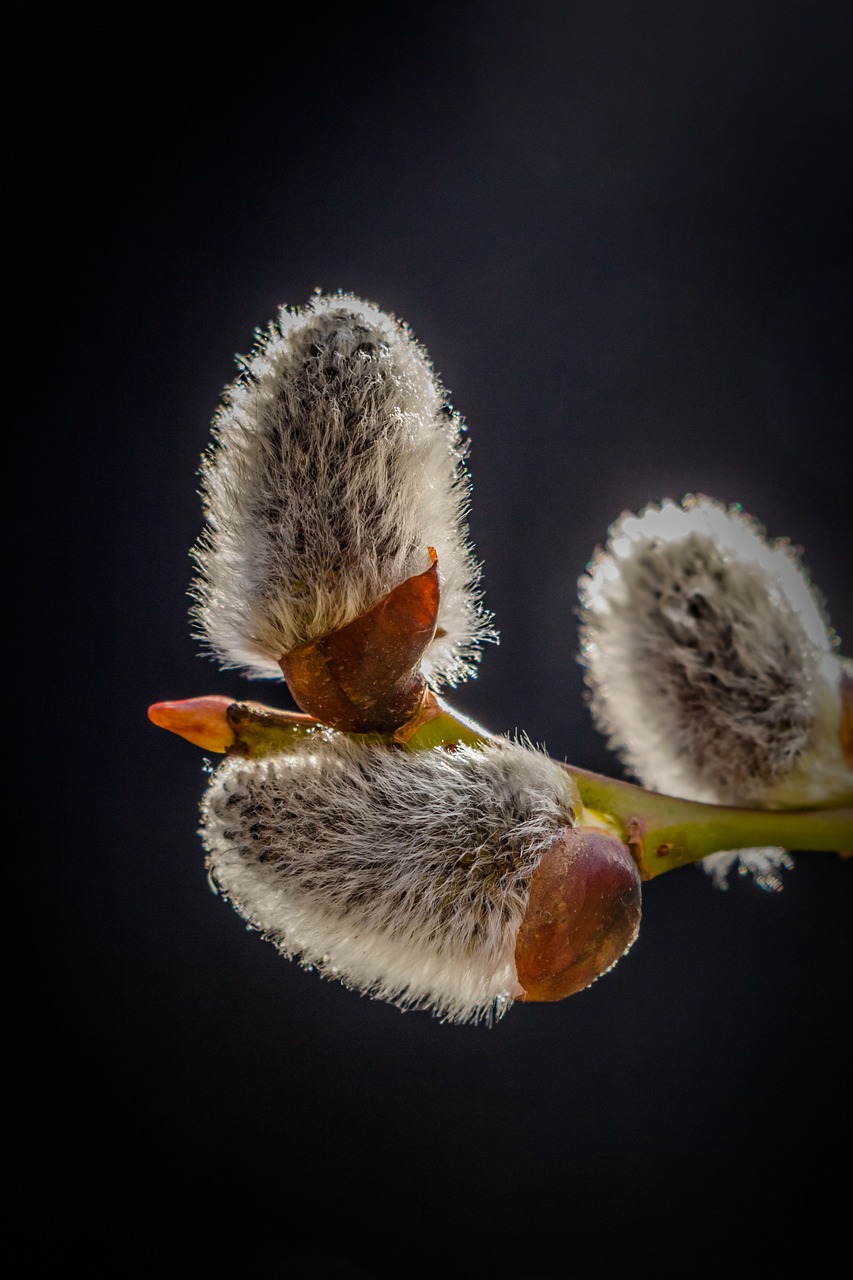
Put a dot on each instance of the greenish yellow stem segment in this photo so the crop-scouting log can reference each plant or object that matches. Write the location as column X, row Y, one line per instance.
column 665, row 832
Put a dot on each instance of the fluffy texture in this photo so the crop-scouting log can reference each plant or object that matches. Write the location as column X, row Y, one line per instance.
column 764, row 865
column 711, row 665
column 335, row 464
column 403, row 874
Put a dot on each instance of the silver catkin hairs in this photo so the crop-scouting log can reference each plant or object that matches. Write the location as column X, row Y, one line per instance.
column 711, row 666
column 403, row 874
column 335, row 464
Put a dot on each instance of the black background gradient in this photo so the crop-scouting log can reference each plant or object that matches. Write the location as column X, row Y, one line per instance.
column 621, row 231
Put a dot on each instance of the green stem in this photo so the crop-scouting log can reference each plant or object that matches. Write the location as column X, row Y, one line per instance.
column 667, row 832
column 263, row 731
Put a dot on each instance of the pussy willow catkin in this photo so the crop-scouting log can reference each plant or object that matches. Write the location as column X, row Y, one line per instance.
column 336, row 464
column 711, row 664
column 404, row 874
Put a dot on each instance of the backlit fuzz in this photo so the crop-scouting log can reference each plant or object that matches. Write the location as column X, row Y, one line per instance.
column 336, row 464
column 404, row 874
column 711, row 666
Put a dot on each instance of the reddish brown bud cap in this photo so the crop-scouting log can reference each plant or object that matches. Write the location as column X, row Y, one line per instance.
column 366, row 678
column 582, row 915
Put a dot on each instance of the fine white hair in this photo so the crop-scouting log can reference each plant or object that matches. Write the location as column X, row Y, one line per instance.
column 711, row 665
column 335, row 465
column 403, row 874
column 763, row 865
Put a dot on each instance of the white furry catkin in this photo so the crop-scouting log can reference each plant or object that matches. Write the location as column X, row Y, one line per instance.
column 335, row 465
column 404, row 874
column 711, row 665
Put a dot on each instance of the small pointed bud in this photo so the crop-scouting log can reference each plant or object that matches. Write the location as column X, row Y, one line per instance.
column 335, row 464
column 582, row 915
column 202, row 721
column 222, row 725
column 366, row 677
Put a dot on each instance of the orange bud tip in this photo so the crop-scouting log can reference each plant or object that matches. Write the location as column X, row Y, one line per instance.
column 202, row 721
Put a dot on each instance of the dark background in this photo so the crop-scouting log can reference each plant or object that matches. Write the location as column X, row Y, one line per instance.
column 621, row 232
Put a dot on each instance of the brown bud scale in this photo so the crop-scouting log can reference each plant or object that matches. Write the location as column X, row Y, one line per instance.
column 582, row 915
column 365, row 677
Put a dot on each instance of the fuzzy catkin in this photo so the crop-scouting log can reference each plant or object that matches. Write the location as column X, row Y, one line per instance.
column 711, row 665
column 335, row 464
column 403, row 874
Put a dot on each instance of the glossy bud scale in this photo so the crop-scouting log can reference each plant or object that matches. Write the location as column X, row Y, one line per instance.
column 366, row 676
column 582, row 915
